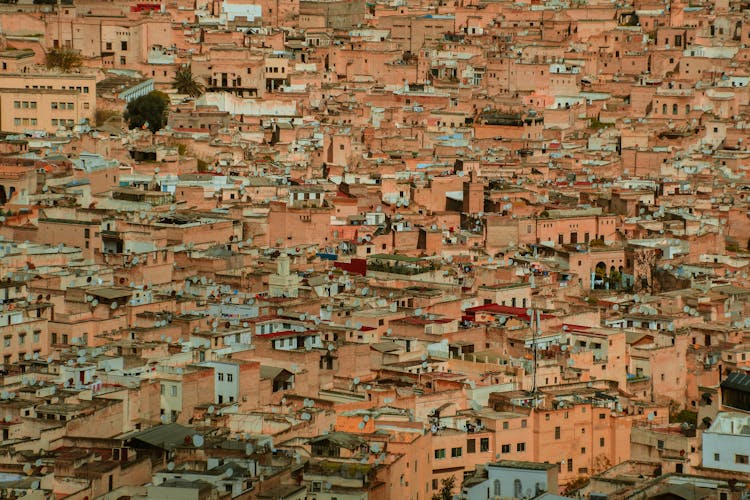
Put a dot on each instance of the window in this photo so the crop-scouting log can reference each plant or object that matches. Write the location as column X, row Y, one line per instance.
column 229, row 377
column 162, row 389
column 70, row 105
column 557, row 433
column 25, row 104
column 583, row 451
column 471, row 446
column 16, row 121
column 523, row 424
column 546, row 417
column 602, row 416
column 221, row 377
column 22, row 339
column 6, row 341
column 660, row 444
column 32, row 104
column 36, row 336
column 570, row 465
column 456, row 452
column 717, row 457
column 741, row 459
column 440, row 453
column 521, row 447
column 17, row 104
column 496, row 488
column 434, row 484
column 506, row 448
column 517, row 489
column 174, row 390
column 124, row 45
column 484, row 444
column 601, row 442
column 109, row 45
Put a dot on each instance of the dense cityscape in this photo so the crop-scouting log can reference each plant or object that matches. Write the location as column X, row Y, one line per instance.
column 375, row 249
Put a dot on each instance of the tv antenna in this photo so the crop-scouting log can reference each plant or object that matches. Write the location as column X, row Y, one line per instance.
column 535, row 321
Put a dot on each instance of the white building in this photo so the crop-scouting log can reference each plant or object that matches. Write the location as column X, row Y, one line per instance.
column 226, row 381
column 510, row 479
column 726, row 444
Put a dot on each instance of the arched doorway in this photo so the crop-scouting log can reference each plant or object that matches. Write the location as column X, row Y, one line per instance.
column 600, row 276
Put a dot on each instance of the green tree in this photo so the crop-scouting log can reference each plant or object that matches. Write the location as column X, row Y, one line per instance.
column 186, row 83
column 150, row 111
column 615, row 279
column 446, row 489
column 63, row 59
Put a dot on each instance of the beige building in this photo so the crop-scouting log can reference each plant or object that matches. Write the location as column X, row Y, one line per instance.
column 41, row 109
column 82, row 83
column 45, row 101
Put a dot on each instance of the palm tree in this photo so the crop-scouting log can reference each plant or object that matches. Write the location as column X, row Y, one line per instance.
column 186, row 83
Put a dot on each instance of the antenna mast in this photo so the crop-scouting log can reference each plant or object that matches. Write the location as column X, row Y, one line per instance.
column 535, row 319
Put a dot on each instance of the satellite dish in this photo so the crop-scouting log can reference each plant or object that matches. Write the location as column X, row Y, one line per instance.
column 164, row 419
column 197, row 440
column 211, row 410
column 651, row 416
column 27, row 468
column 170, row 466
column 249, row 449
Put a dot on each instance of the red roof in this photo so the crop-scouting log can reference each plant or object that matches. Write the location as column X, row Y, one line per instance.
column 413, row 320
column 576, row 328
column 518, row 312
column 288, row 333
